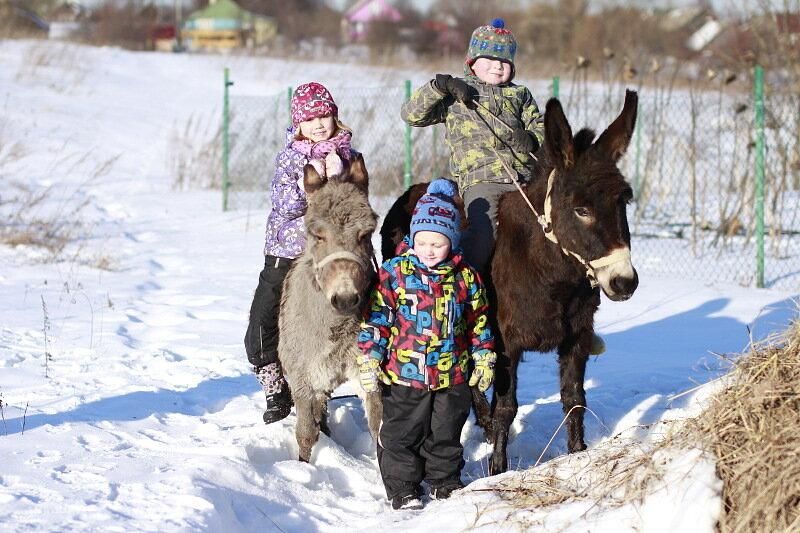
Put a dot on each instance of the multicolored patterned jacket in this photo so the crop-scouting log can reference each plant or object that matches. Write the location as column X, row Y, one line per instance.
column 424, row 324
column 286, row 233
column 475, row 144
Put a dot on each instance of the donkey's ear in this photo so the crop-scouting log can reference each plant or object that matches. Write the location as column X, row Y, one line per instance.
column 614, row 141
column 312, row 181
column 558, row 136
column 358, row 173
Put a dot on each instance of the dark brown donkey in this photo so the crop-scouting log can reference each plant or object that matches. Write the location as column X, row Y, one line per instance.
column 547, row 271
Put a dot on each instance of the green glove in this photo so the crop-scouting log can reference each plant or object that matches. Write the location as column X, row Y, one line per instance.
column 370, row 373
column 483, row 373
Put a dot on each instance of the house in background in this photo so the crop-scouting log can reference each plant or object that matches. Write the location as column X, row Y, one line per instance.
column 357, row 20
column 224, row 25
column 69, row 19
column 447, row 39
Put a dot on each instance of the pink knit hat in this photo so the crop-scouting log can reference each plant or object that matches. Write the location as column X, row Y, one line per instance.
column 312, row 100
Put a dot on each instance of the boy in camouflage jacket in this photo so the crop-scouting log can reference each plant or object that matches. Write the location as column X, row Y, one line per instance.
column 505, row 125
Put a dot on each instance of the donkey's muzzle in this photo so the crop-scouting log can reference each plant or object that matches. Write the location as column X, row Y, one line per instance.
column 346, row 303
column 623, row 287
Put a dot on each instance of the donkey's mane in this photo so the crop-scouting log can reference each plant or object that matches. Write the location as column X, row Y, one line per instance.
column 583, row 140
column 594, row 175
column 343, row 205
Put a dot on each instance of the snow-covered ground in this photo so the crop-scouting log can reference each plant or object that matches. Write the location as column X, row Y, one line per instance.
column 145, row 416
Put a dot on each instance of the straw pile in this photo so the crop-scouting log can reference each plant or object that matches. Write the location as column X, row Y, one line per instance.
column 753, row 429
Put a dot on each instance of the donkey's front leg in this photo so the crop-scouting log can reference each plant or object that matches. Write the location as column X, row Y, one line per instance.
column 504, row 408
column 307, row 430
column 483, row 413
column 572, row 356
column 321, row 413
column 373, row 407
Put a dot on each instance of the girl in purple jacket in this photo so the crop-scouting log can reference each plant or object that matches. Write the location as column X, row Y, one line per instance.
column 317, row 138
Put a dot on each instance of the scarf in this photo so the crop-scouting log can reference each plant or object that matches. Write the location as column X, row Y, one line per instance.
column 339, row 143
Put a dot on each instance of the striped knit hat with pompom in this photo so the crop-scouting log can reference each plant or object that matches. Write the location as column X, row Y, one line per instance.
column 435, row 211
column 493, row 41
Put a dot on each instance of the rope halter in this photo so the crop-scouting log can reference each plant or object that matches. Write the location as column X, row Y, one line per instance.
column 343, row 255
column 545, row 220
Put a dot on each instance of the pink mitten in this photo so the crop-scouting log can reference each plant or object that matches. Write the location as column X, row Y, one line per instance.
column 333, row 164
column 319, row 166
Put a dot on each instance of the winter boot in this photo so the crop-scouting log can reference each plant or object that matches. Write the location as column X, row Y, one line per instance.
column 443, row 489
column 279, row 397
column 406, row 502
column 598, row 345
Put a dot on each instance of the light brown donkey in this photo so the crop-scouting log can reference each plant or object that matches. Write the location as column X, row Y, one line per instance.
column 323, row 296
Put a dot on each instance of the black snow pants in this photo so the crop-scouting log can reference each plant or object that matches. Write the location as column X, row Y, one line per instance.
column 420, row 436
column 480, row 203
column 261, row 338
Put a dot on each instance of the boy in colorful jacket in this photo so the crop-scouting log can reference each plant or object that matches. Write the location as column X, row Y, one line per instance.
column 427, row 321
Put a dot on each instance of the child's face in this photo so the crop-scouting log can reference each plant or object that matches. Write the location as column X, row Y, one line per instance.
column 318, row 129
column 431, row 247
column 492, row 71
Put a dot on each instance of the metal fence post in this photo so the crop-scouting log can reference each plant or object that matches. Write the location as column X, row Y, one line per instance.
column 556, row 84
column 225, row 140
column 408, row 158
column 759, row 104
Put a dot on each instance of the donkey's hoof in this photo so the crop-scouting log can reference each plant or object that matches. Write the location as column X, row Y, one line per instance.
column 575, row 448
column 302, row 459
column 497, row 466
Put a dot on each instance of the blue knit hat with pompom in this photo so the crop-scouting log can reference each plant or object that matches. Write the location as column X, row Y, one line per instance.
column 435, row 211
column 494, row 41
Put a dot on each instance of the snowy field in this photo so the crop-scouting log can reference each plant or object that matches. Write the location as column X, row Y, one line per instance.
column 128, row 404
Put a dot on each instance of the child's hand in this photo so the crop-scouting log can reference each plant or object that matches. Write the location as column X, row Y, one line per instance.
column 333, row 165
column 483, row 373
column 458, row 88
column 523, row 141
column 319, row 166
column 370, row 373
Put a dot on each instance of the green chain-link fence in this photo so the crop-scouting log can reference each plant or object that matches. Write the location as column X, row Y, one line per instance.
column 257, row 129
column 693, row 164
column 697, row 174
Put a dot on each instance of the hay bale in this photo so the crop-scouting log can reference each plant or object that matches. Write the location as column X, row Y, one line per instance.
column 750, row 429
column 753, row 429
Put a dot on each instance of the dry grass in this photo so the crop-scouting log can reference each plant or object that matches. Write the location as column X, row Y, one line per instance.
column 753, row 429
column 62, row 67
column 51, row 218
column 28, row 221
column 610, row 475
column 195, row 153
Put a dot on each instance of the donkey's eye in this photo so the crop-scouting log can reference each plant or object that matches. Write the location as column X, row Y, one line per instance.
column 315, row 235
column 582, row 212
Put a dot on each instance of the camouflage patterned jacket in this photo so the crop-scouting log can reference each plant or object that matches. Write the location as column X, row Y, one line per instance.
column 472, row 141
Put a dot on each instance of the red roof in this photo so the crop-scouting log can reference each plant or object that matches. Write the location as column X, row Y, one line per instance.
column 164, row 31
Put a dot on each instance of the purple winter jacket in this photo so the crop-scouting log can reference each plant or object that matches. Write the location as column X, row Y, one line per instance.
column 286, row 233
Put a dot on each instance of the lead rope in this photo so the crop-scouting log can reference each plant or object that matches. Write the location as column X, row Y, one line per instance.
column 544, row 220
